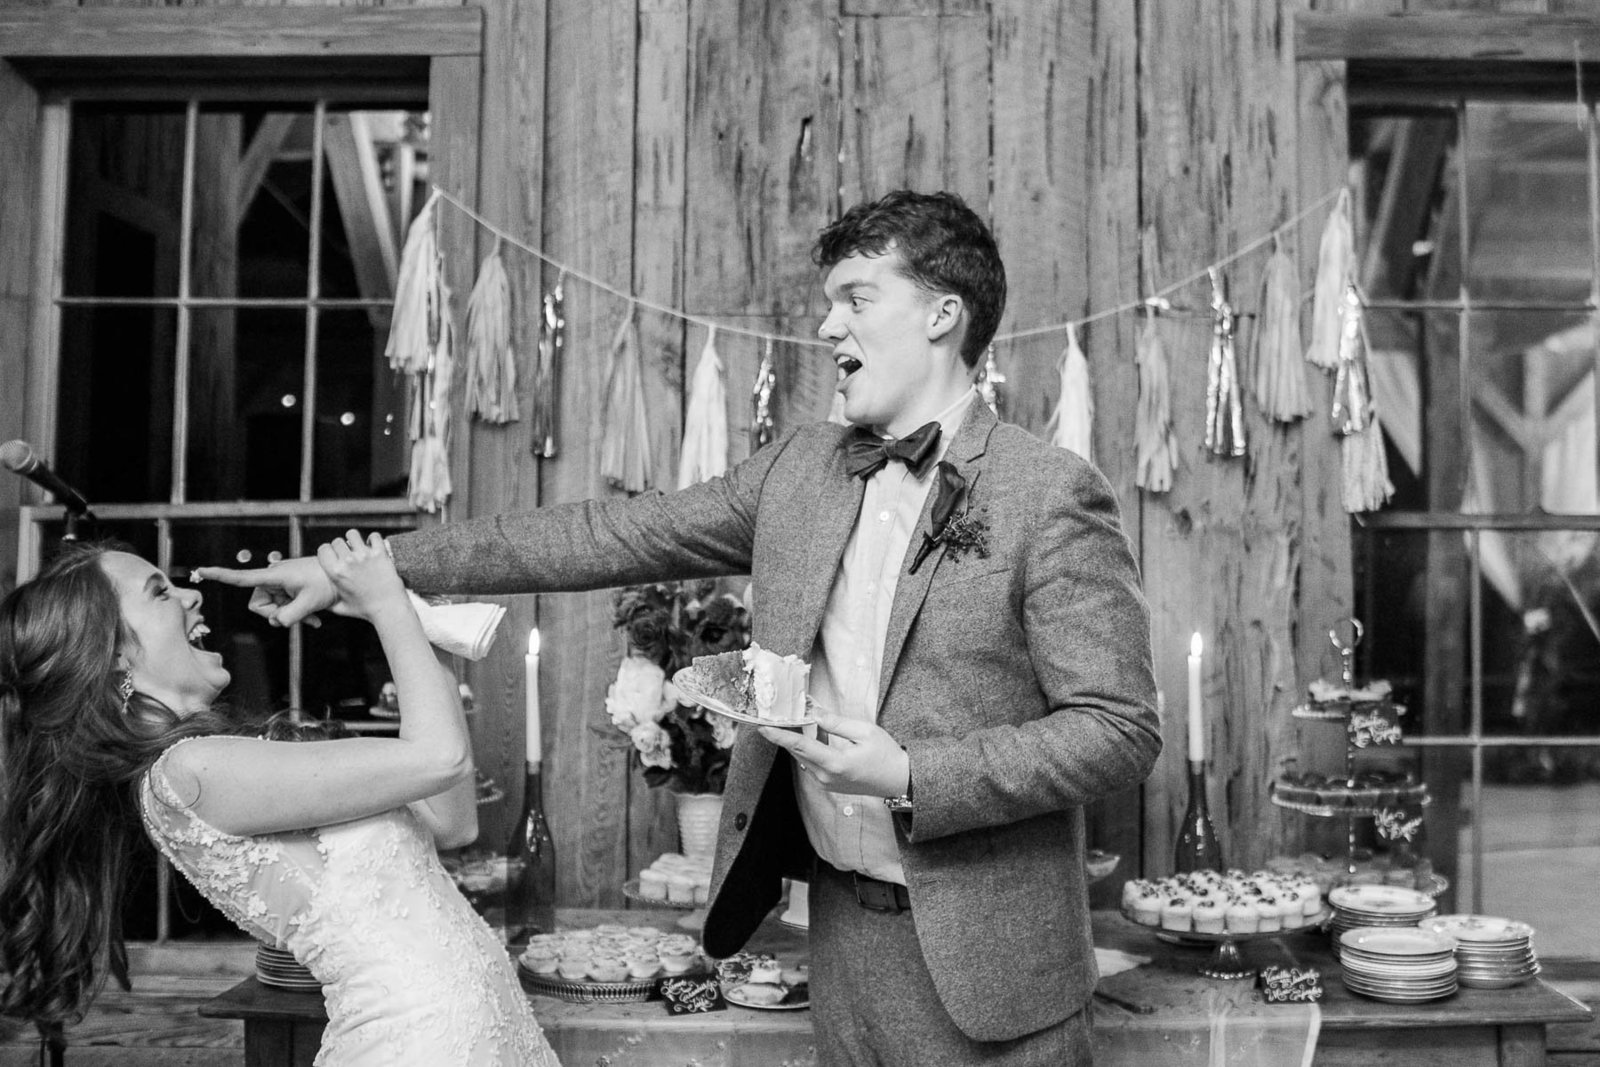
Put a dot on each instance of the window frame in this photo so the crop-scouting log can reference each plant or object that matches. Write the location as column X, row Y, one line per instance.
column 1432, row 59
column 55, row 56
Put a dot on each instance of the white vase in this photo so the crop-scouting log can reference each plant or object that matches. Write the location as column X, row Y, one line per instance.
column 698, row 815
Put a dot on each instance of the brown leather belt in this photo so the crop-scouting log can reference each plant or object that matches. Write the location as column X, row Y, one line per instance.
column 874, row 894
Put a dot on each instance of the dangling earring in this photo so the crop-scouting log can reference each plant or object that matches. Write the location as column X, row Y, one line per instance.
column 125, row 690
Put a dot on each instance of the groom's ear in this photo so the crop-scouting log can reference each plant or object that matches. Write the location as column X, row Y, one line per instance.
column 945, row 314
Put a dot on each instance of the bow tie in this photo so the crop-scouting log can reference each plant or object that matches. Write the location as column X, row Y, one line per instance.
column 867, row 453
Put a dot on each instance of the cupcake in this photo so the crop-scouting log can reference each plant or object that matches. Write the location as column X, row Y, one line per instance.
column 1267, row 917
column 643, row 966
column 575, row 968
column 652, row 885
column 541, row 959
column 1146, row 908
column 1208, row 915
column 680, row 889
column 1310, row 897
column 793, row 976
column 608, row 969
column 1241, row 916
column 766, row 971
column 1177, row 913
column 1290, row 917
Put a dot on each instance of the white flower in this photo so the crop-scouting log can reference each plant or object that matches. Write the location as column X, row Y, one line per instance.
column 723, row 731
column 637, row 696
column 655, row 747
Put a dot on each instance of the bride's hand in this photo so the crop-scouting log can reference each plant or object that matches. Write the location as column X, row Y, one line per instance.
column 363, row 574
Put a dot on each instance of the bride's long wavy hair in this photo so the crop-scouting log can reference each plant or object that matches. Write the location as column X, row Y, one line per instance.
column 71, row 755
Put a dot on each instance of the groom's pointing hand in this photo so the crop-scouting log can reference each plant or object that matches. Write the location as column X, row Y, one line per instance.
column 285, row 592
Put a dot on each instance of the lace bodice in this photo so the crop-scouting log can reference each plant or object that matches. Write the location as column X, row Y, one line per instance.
column 410, row 973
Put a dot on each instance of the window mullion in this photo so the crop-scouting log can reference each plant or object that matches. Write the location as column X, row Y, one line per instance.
column 308, row 414
column 180, row 357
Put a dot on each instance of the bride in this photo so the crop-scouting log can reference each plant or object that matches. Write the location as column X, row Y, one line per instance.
column 326, row 848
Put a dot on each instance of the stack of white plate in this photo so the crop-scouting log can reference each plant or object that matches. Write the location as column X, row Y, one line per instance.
column 1398, row 964
column 278, row 968
column 1491, row 953
column 1363, row 906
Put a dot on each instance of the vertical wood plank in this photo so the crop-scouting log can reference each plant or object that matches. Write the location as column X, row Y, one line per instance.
column 1110, row 147
column 762, row 176
column 588, row 222
column 916, row 106
column 660, row 141
column 503, row 475
column 19, row 128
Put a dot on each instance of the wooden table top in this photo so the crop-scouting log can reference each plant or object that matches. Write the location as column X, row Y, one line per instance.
column 1170, row 986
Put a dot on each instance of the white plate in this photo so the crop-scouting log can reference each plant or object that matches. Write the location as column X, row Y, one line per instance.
column 1396, row 941
column 1481, row 929
column 684, row 680
column 1379, row 899
column 736, row 995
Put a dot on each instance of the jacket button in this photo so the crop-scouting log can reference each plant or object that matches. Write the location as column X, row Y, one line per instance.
column 740, row 821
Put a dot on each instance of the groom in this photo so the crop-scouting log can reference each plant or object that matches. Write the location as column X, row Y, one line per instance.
column 971, row 611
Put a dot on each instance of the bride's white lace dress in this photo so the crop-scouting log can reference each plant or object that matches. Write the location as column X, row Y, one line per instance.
column 410, row 973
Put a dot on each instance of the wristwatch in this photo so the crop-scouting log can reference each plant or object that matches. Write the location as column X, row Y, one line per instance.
column 901, row 803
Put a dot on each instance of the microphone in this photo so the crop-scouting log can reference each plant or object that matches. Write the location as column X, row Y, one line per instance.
column 18, row 457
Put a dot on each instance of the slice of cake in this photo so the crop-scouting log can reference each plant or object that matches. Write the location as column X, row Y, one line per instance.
column 755, row 682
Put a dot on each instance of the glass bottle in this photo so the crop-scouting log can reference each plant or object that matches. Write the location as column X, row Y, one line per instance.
column 530, row 866
column 1197, row 847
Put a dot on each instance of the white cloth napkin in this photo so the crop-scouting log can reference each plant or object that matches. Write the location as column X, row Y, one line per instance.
column 462, row 629
column 1114, row 961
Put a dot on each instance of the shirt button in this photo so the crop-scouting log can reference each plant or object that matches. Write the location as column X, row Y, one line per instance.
column 883, row 516
column 849, row 809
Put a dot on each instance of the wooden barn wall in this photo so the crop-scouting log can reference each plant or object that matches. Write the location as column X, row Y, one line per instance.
column 687, row 151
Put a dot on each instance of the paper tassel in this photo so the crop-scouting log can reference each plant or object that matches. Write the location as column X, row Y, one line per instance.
column 1351, row 394
column 1072, row 423
column 1335, row 264
column 1280, row 375
column 491, row 362
column 1224, row 407
column 1155, row 445
column 705, row 423
column 990, row 381
column 1365, row 484
column 761, row 428
column 417, row 295
column 625, row 436
column 547, row 371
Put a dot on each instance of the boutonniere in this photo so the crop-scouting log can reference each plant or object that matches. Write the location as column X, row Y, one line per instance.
column 958, row 531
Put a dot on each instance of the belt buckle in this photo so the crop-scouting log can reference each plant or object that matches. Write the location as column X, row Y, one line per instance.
column 875, row 895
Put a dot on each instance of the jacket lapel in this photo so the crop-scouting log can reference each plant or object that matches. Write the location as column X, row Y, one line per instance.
column 964, row 452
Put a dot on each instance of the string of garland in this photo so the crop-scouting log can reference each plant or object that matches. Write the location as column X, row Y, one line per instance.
column 1276, row 379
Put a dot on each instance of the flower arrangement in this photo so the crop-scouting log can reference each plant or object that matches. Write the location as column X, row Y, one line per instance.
column 667, row 626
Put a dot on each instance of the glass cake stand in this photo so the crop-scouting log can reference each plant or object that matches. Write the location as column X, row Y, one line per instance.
column 694, row 921
column 1224, row 961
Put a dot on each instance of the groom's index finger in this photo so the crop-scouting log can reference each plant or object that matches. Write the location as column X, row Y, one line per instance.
column 245, row 579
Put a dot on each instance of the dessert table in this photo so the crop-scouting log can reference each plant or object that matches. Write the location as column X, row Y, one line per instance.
column 1161, row 1013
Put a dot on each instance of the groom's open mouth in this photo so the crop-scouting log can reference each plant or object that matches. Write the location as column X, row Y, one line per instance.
column 847, row 365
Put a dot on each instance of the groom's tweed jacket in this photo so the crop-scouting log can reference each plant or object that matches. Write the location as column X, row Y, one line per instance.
column 1019, row 684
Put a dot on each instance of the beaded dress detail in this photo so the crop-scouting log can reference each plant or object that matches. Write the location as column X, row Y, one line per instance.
column 410, row 973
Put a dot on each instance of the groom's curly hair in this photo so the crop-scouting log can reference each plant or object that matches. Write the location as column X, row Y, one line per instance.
column 944, row 248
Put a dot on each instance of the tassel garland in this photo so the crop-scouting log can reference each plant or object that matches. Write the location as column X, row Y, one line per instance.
column 547, row 371
column 1155, row 445
column 761, row 427
column 625, row 459
column 491, row 362
column 1071, row 424
column 1224, row 405
column 1279, row 373
column 1335, row 267
column 418, row 295
column 1364, row 483
column 705, row 423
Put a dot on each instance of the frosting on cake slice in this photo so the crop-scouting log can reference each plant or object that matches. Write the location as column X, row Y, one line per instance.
column 777, row 684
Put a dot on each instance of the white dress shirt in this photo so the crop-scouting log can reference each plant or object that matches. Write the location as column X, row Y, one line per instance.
column 855, row 833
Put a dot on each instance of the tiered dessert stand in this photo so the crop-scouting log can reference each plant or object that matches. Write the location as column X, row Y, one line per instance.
column 1367, row 722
